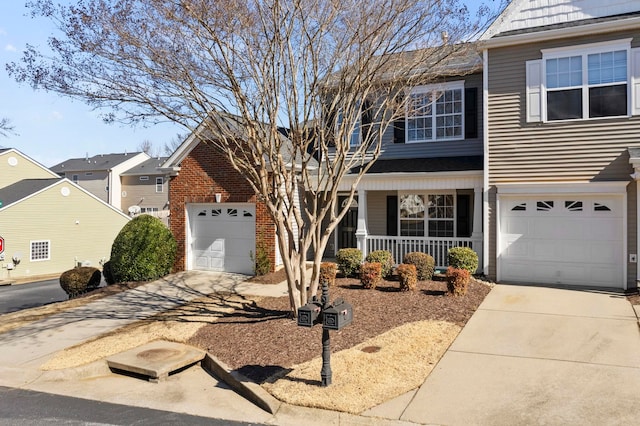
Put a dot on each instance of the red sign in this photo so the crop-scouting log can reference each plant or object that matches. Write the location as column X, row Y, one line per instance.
column 1, row 245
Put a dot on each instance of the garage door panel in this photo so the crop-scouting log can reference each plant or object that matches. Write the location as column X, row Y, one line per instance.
column 568, row 239
column 222, row 237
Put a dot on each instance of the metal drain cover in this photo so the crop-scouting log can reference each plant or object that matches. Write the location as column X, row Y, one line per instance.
column 156, row 360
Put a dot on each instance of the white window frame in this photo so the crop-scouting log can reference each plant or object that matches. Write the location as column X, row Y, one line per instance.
column 159, row 184
column 452, row 85
column 425, row 196
column 75, row 178
column 143, row 178
column 584, row 51
column 31, row 251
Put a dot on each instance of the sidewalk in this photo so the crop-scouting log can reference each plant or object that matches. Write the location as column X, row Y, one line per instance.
column 529, row 355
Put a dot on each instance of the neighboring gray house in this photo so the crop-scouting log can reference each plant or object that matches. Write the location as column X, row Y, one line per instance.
column 145, row 189
column 562, row 118
column 101, row 174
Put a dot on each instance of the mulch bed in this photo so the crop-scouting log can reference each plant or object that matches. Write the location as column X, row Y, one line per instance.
column 261, row 340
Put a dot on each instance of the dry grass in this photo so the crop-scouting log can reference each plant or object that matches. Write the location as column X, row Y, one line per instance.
column 362, row 379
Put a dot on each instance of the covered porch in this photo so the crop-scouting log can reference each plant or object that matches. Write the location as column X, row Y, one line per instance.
column 406, row 212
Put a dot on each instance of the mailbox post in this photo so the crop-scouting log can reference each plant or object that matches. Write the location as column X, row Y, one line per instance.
column 332, row 317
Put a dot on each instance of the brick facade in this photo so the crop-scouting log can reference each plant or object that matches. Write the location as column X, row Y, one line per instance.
column 203, row 173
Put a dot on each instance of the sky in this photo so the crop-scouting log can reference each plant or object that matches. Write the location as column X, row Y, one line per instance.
column 51, row 128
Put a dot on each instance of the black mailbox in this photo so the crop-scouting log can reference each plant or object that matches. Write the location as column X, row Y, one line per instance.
column 308, row 314
column 337, row 315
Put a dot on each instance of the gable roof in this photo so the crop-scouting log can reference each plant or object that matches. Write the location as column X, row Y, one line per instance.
column 23, row 189
column 97, row 162
column 17, row 152
column 149, row 167
column 27, row 188
column 529, row 20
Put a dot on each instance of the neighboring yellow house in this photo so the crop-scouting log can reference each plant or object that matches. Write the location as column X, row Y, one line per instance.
column 48, row 223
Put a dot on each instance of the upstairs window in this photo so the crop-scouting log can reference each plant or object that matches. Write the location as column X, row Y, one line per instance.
column 435, row 113
column 355, row 137
column 580, row 83
column 159, row 184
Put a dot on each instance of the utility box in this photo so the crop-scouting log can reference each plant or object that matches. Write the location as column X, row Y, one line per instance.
column 337, row 315
column 308, row 314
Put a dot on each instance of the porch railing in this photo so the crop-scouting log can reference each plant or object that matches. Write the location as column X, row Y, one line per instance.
column 436, row 247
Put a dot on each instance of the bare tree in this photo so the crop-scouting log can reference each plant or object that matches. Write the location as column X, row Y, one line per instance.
column 173, row 144
column 238, row 71
column 6, row 128
column 146, row 146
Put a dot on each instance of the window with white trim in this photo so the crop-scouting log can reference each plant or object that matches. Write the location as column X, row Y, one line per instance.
column 435, row 112
column 159, row 184
column 584, row 82
column 40, row 250
column 439, row 220
column 74, row 178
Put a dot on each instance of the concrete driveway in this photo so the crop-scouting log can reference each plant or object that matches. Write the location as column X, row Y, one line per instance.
column 538, row 355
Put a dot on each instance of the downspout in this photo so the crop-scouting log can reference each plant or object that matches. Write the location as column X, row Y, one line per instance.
column 485, row 166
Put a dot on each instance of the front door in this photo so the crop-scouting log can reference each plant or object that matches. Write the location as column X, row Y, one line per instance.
column 348, row 225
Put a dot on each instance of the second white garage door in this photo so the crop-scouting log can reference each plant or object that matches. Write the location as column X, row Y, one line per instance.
column 575, row 240
column 223, row 236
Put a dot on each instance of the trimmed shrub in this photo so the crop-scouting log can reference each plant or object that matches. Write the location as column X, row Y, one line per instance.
column 144, row 250
column 424, row 263
column 349, row 260
column 80, row 280
column 328, row 271
column 384, row 258
column 107, row 274
column 261, row 260
column 408, row 277
column 458, row 281
column 463, row 258
column 370, row 274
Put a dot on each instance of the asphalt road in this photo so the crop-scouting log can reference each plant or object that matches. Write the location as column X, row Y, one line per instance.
column 24, row 296
column 22, row 407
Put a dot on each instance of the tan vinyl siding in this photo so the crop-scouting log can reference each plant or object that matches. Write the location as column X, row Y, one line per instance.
column 96, row 183
column 52, row 216
column 24, row 168
column 585, row 150
column 560, row 151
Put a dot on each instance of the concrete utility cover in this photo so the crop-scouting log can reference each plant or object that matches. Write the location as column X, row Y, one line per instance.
column 156, row 359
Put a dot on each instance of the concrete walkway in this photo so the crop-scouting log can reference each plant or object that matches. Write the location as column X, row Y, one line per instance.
column 533, row 356
column 529, row 355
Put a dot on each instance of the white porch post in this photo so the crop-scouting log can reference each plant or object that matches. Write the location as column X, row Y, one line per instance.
column 361, row 230
column 477, row 235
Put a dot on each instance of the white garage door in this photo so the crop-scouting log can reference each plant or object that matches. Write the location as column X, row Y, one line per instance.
column 575, row 240
column 222, row 237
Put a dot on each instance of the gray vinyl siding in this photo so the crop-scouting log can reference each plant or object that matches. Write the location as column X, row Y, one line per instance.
column 521, row 152
column 377, row 212
column 143, row 193
column 96, row 183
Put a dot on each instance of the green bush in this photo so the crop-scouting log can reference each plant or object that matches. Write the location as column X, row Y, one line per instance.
column 408, row 277
column 370, row 274
column 349, row 260
column 457, row 281
column 424, row 263
column 144, row 250
column 384, row 258
column 261, row 261
column 79, row 280
column 107, row 274
column 463, row 258
column 328, row 272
